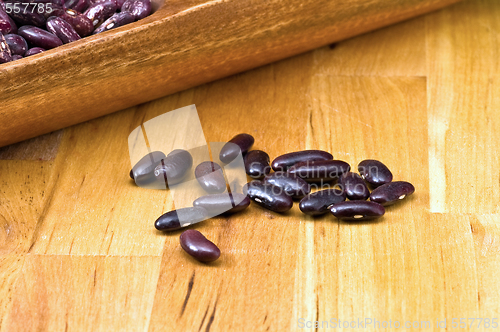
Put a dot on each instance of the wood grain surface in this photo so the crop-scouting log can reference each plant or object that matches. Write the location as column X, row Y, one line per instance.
column 183, row 44
column 78, row 250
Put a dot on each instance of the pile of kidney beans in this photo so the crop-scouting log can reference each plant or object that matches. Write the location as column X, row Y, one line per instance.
column 295, row 176
column 29, row 27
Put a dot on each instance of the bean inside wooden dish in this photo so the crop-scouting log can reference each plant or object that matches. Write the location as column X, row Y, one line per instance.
column 29, row 27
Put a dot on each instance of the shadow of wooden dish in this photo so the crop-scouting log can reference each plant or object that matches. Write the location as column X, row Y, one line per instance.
column 181, row 45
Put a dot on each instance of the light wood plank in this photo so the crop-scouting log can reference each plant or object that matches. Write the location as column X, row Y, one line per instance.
column 463, row 50
column 68, row 293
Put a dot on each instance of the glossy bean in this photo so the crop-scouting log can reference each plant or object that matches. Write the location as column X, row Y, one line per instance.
column 240, row 143
column 39, row 37
column 374, row 172
column 139, row 8
column 5, row 54
column 357, row 210
column 17, row 44
column 143, row 170
column 33, row 51
column 26, row 17
column 321, row 170
column 390, row 193
column 80, row 5
column 226, row 203
column 210, row 177
column 176, row 219
column 100, row 12
column 115, row 21
column 81, row 23
column 7, row 25
column 317, row 203
column 257, row 164
column 354, row 186
column 290, row 184
column 2, row 5
column 16, row 57
column 268, row 196
column 62, row 29
column 173, row 169
column 285, row 161
column 198, row 246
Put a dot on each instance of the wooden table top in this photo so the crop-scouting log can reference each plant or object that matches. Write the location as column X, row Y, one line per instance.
column 80, row 253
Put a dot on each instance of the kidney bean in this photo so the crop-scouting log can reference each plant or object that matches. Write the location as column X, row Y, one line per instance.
column 317, row 203
column 5, row 54
column 174, row 167
column 268, row 196
column 33, row 51
column 226, row 203
column 7, row 25
column 27, row 18
column 198, row 246
column 143, row 170
column 115, row 21
column 176, row 219
column 16, row 57
column 239, row 143
column 81, row 23
column 374, row 172
column 321, row 170
column 62, row 29
column 210, row 177
column 354, row 186
column 119, row 4
column 139, row 8
column 390, row 193
column 79, row 5
column 100, row 12
column 2, row 5
column 17, row 44
column 257, row 164
column 357, row 210
column 291, row 184
column 283, row 162
column 39, row 37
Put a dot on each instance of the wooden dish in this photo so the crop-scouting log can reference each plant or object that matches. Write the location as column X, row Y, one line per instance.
column 181, row 45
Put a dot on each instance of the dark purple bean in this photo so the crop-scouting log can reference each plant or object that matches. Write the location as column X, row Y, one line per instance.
column 174, row 167
column 100, row 12
column 119, row 3
column 357, row 210
column 291, row 184
column 91, row 2
column 354, row 186
column 62, row 29
column 80, row 5
column 33, row 51
column 81, row 23
column 240, row 143
column 143, row 170
column 53, row 11
column 374, row 172
column 226, row 203
column 392, row 192
column 180, row 218
column 268, row 196
column 16, row 57
column 321, row 170
column 283, row 162
column 26, row 17
column 198, row 246
column 2, row 5
column 70, row 3
column 39, row 37
column 115, row 21
column 7, row 25
column 5, row 54
column 210, row 177
column 317, row 203
column 139, row 8
column 257, row 164
column 17, row 44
